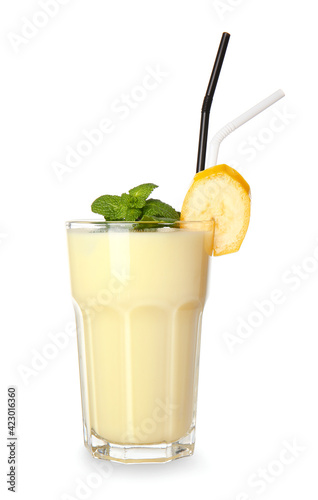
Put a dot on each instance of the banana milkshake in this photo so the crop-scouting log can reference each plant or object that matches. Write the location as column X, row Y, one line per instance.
column 138, row 292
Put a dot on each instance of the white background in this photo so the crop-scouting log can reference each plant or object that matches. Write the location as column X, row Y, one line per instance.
column 66, row 79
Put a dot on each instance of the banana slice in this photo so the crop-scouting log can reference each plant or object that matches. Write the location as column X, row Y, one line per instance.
column 220, row 193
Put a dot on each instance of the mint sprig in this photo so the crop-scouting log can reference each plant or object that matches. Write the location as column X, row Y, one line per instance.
column 134, row 206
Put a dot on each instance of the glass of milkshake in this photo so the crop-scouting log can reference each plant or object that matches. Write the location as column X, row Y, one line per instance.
column 139, row 290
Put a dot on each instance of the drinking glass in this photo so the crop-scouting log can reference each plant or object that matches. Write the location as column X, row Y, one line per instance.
column 139, row 290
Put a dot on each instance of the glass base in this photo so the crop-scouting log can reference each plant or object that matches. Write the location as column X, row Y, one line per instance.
column 134, row 454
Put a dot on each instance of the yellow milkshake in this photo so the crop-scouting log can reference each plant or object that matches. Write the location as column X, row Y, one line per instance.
column 138, row 297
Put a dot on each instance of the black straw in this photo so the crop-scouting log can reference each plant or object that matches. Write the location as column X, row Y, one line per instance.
column 207, row 102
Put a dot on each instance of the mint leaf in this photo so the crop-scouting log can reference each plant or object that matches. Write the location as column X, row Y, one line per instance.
column 111, row 207
column 157, row 208
column 139, row 194
column 143, row 191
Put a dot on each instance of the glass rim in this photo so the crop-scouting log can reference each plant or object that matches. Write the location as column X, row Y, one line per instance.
column 86, row 223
